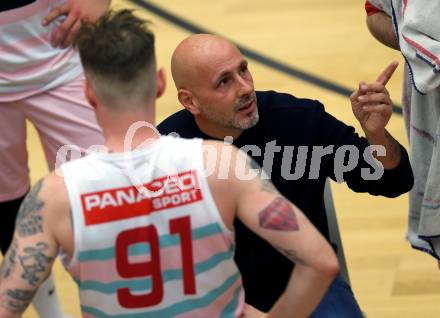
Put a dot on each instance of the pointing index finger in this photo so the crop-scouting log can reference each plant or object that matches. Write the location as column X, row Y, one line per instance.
column 385, row 76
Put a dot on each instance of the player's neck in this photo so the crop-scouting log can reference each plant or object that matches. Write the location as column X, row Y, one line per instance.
column 130, row 133
column 120, row 143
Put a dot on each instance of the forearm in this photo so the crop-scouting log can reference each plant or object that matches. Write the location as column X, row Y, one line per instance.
column 381, row 27
column 392, row 148
column 13, row 301
column 30, row 257
column 21, row 270
column 304, row 291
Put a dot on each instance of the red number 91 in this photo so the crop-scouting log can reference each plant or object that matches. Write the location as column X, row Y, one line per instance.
column 148, row 234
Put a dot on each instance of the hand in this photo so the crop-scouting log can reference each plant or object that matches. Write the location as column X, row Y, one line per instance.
column 372, row 104
column 251, row 312
column 75, row 11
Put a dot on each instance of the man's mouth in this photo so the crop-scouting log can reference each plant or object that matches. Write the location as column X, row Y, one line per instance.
column 247, row 107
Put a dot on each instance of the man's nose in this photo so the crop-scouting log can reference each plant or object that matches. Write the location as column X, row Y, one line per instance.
column 246, row 86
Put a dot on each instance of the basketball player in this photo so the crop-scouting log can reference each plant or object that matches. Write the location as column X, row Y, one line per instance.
column 146, row 229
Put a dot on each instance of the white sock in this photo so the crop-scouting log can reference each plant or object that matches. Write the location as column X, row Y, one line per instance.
column 46, row 302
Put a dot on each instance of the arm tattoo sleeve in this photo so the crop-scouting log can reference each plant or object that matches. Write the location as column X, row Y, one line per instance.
column 9, row 262
column 29, row 220
column 35, row 263
column 35, row 268
column 17, row 300
column 279, row 216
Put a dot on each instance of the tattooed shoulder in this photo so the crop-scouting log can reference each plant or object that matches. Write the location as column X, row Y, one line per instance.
column 29, row 220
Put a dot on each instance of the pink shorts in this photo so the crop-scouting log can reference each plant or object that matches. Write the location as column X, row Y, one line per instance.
column 61, row 116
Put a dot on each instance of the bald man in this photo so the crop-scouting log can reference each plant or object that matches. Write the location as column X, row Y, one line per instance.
column 216, row 88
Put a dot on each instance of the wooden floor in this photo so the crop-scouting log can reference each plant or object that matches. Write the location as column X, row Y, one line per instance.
column 327, row 39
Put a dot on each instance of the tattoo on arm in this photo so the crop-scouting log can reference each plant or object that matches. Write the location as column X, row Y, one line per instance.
column 17, row 300
column 29, row 220
column 279, row 216
column 35, row 263
column 9, row 262
column 291, row 254
column 31, row 262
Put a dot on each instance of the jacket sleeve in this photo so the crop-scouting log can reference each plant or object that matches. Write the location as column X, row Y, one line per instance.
column 350, row 161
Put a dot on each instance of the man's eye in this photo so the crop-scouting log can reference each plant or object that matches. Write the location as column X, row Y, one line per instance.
column 223, row 82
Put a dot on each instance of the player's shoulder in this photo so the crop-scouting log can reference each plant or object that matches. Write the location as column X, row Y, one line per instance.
column 52, row 190
column 223, row 159
column 221, row 148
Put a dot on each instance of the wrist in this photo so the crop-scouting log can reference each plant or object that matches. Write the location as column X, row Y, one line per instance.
column 392, row 148
column 376, row 137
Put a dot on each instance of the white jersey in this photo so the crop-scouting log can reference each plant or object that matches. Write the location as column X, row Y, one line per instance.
column 28, row 63
column 148, row 238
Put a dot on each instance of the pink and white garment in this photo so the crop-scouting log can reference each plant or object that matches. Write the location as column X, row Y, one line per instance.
column 28, row 63
column 43, row 85
column 417, row 27
column 161, row 253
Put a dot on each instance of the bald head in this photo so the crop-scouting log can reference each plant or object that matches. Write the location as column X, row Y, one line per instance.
column 214, row 84
column 196, row 55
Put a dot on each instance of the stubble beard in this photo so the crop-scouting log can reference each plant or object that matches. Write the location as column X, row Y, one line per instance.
column 234, row 121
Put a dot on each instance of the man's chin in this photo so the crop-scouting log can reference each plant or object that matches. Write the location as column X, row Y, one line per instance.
column 248, row 122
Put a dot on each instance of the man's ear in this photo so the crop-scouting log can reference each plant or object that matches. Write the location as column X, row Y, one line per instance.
column 187, row 99
column 161, row 82
column 90, row 96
